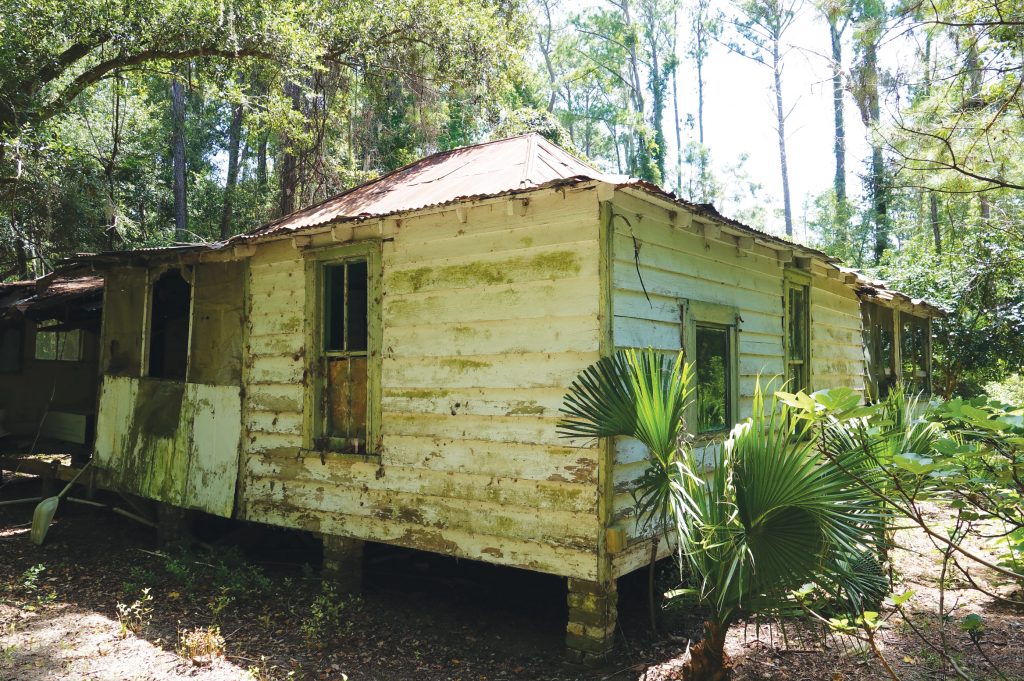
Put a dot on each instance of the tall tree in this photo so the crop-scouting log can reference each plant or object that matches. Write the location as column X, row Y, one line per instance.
column 178, row 157
column 869, row 19
column 837, row 15
column 762, row 25
column 231, row 179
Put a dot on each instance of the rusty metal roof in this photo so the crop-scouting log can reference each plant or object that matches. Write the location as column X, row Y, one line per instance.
column 47, row 297
column 878, row 291
column 489, row 169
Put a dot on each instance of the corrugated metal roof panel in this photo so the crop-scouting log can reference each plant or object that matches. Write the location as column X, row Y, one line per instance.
column 513, row 164
column 488, row 170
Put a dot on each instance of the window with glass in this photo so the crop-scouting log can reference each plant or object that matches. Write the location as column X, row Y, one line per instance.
column 58, row 345
column 709, row 343
column 345, row 350
column 712, row 360
column 798, row 337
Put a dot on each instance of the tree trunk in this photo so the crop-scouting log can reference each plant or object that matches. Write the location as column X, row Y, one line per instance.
column 289, row 175
column 933, row 209
column 234, row 142
column 178, row 157
column 871, row 115
column 675, row 105
column 781, row 119
column 839, row 146
column 21, row 258
column 658, row 85
column 261, row 163
column 708, row 660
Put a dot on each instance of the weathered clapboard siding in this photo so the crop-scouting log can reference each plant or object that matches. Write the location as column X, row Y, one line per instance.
column 676, row 264
column 837, row 343
column 485, row 324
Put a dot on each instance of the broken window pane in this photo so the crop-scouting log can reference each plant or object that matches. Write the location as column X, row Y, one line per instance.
column 168, row 328
column 64, row 346
column 334, row 308
column 713, row 378
column 878, row 322
column 355, row 306
column 345, row 310
column 345, row 307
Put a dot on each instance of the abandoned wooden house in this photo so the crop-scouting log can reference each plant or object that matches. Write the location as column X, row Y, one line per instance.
column 49, row 361
column 389, row 365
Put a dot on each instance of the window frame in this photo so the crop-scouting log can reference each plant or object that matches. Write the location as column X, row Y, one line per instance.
column 80, row 354
column 870, row 320
column 792, row 280
column 694, row 313
column 314, row 415
column 926, row 350
column 153, row 275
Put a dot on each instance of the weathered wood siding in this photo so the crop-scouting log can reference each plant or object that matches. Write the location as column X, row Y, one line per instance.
column 170, row 441
column 48, row 387
column 173, row 441
column 485, row 324
column 837, row 341
column 676, row 263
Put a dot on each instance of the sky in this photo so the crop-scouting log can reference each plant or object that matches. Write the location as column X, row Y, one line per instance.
column 739, row 115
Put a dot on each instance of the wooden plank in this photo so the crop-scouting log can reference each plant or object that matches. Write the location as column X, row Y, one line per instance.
column 527, row 300
column 486, row 458
column 532, row 555
column 512, row 336
column 345, row 474
column 526, row 370
column 542, row 401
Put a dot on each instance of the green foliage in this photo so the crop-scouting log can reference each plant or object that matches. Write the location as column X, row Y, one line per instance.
column 201, row 645
column 642, row 394
column 967, row 454
column 133, row 618
column 327, row 615
column 754, row 518
column 226, row 573
column 1008, row 391
column 349, row 90
column 526, row 120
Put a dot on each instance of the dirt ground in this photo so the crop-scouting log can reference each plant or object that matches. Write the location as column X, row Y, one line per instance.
column 420, row 616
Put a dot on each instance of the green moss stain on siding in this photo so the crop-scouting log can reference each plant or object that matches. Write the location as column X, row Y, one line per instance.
column 550, row 265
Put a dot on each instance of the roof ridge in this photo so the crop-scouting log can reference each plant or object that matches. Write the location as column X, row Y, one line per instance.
column 437, row 154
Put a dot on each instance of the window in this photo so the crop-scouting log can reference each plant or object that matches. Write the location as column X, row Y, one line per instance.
column 343, row 404
column 170, row 312
column 709, row 342
column 915, row 344
column 713, row 379
column 10, row 349
column 897, row 348
column 345, row 355
column 798, row 334
column 59, row 345
column 880, row 350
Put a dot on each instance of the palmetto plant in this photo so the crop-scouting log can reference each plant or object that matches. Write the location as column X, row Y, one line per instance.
column 753, row 518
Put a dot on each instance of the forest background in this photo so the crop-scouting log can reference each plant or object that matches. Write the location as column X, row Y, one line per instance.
column 141, row 124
